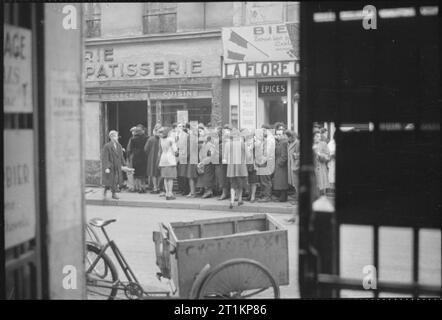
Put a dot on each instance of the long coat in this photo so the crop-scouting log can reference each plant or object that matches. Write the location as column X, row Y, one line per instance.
column 206, row 153
column 280, row 176
column 136, row 153
column 113, row 159
column 321, row 157
column 234, row 154
column 152, row 149
column 293, row 152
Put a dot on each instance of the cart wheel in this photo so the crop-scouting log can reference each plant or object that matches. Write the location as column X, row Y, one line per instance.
column 239, row 279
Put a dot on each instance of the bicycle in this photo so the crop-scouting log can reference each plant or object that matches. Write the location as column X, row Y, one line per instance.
column 102, row 279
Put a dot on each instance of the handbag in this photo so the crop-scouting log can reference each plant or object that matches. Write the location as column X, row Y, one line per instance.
column 200, row 169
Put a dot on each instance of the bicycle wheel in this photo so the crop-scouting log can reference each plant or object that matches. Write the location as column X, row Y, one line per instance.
column 100, row 281
column 239, row 279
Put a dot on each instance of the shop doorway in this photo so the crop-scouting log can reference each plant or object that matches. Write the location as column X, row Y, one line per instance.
column 123, row 115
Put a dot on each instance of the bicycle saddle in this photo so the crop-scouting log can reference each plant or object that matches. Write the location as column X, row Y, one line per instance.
column 99, row 223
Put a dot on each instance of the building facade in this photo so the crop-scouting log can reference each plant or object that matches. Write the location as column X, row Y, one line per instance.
column 148, row 63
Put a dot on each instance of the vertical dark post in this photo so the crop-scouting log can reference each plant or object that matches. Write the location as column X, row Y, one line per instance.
column 40, row 132
column 306, row 261
column 326, row 244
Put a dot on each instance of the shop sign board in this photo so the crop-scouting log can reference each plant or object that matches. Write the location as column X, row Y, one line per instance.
column 272, row 88
column 19, row 186
column 17, row 75
column 265, row 69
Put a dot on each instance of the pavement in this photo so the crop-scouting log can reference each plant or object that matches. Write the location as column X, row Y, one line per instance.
column 94, row 196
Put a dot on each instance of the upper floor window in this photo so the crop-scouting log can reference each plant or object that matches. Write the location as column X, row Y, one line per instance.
column 160, row 17
column 93, row 19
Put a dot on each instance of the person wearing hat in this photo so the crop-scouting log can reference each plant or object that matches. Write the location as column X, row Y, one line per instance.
column 151, row 148
column 280, row 176
column 138, row 159
column 265, row 160
column 130, row 176
column 112, row 163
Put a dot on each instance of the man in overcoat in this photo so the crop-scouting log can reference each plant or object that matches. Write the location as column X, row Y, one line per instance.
column 112, row 163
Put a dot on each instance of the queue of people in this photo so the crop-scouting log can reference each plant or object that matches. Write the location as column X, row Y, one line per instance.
column 248, row 166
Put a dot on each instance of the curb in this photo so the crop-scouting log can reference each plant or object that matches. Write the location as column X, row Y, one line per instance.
column 195, row 206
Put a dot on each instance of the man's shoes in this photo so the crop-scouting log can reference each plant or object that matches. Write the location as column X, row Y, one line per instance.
column 170, row 198
column 104, row 193
column 114, row 196
column 231, row 206
column 223, row 197
column 240, row 203
column 266, row 199
column 155, row 192
column 191, row 195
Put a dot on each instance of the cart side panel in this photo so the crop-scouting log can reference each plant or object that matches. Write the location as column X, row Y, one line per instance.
column 187, row 232
column 252, row 225
column 268, row 248
column 217, row 229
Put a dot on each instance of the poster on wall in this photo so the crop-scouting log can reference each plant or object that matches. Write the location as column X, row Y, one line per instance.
column 247, row 117
column 182, row 116
column 18, row 186
column 17, row 63
column 257, row 43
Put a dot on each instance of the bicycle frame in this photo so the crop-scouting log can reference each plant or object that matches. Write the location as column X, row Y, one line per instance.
column 124, row 265
column 130, row 276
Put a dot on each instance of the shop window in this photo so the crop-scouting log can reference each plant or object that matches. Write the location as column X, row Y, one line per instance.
column 160, row 17
column 93, row 19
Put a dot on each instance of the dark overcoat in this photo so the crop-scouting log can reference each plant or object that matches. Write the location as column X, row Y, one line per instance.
column 136, row 153
column 113, row 159
column 280, row 176
column 152, row 149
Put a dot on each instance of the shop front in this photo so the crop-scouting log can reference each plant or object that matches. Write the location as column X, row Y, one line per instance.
column 262, row 69
column 155, row 82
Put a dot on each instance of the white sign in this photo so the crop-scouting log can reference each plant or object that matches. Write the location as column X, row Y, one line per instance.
column 19, row 188
column 248, row 104
column 17, row 81
column 273, row 69
column 182, row 116
column 257, row 43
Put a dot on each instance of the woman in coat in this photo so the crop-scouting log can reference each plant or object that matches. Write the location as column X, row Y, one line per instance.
column 222, row 181
column 206, row 180
column 252, row 179
column 234, row 155
column 293, row 154
column 332, row 163
column 167, row 161
column 191, row 167
column 111, row 163
column 152, row 148
column 280, row 176
column 137, row 155
column 321, row 155
column 181, row 142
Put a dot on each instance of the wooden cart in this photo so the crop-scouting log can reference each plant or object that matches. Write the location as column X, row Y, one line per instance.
column 235, row 257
